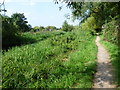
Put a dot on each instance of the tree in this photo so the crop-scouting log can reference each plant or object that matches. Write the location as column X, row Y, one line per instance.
column 11, row 28
column 50, row 28
column 29, row 27
column 19, row 21
column 101, row 11
column 41, row 28
column 66, row 27
column 9, row 32
column 35, row 29
column 90, row 23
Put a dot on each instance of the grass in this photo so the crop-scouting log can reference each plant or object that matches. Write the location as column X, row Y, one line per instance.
column 28, row 38
column 114, row 56
column 64, row 60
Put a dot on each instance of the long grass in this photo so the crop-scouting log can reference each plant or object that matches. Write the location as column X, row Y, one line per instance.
column 62, row 61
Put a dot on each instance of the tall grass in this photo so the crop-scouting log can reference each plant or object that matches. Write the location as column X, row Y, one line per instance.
column 28, row 38
column 61, row 61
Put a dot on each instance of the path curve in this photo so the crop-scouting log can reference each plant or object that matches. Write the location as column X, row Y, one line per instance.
column 104, row 77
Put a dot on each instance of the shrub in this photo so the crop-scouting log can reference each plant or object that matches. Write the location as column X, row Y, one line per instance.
column 110, row 32
column 66, row 27
column 9, row 32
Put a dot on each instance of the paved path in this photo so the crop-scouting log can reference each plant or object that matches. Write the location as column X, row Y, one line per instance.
column 104, row 77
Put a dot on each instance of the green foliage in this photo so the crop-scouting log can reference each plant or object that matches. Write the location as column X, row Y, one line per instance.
column 12, row 28
column 110, row 32
column 50, row 28
column 8, row 28
column 41, row 35
column 35, row 29
column 65, row 60
column 9, row 32
column 90, row 25
column 41, row 28
column 20, row 22
column 101, row 11
column 66, row 27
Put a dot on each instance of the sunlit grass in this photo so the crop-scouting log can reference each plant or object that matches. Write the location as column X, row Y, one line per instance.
column 61, row 61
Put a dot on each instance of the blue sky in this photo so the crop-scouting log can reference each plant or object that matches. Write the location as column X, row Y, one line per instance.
column 39, row 13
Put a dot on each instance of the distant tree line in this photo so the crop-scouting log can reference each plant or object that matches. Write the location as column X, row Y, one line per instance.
column 65, row 27
column 16, row 24
column 42, row 28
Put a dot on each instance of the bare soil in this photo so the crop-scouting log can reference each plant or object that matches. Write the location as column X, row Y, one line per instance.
column 104, row 77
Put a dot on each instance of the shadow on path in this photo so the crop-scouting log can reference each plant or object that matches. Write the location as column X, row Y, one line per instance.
column 104, row 78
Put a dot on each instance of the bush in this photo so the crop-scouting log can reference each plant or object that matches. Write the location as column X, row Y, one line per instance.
column 66, row 27
column 9, row 32
column 110, row 32
column 12, row 27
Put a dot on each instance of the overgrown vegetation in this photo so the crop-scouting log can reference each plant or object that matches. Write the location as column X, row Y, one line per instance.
column 110, row 40
column 29, row 38
column 48, row 58
column 103, row 18
column 66, row 27
column 110, row 32
column 61, row 61
column 96, row 14
column 13, row 29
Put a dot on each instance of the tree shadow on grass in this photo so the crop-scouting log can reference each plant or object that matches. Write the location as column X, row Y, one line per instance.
column 10, row 42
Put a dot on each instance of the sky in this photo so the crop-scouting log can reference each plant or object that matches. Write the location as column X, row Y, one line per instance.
column 39, row 12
